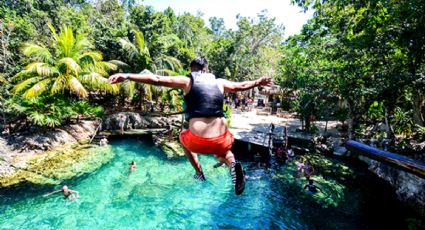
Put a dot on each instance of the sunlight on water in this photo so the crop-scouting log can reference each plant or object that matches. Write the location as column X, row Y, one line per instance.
column 161, row 194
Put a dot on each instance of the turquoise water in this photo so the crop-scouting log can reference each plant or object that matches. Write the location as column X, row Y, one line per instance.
column 161, row 194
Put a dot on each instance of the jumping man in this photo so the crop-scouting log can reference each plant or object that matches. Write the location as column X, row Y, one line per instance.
column 203, row 95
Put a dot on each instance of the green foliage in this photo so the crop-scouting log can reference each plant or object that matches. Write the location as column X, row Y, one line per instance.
column 420, row 130
column 363, row 53
column 227, row 108
column 48, row 111
column 403, row 122
column 376, row 110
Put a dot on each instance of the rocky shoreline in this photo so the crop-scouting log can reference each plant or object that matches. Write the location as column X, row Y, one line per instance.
column 40, row 157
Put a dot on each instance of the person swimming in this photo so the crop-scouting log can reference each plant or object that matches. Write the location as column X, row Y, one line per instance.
column 68, row 193
column 132, row 166
column 312, row 188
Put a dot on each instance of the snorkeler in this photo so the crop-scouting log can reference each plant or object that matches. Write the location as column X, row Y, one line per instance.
column 203, row 95
column 68, row 193
column 132, row 166
column 312, row 187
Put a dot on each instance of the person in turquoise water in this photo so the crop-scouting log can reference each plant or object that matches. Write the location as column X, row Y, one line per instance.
column 69, row 194
column 132, row 166
column 312, row 188
column 203, row 95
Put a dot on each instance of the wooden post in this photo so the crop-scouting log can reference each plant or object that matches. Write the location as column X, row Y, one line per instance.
column 396, row 160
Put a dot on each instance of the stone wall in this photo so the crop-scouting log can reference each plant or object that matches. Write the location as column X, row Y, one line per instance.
column 139, row 121
column 409, row 188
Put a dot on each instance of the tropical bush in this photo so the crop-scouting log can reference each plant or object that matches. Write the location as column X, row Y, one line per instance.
column 60, row 110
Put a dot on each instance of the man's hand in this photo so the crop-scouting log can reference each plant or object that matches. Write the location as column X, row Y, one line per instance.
column 265, row 80
column 117, row 78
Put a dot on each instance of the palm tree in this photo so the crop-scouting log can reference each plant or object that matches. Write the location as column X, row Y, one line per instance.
column 138, row 53
column 72, row 66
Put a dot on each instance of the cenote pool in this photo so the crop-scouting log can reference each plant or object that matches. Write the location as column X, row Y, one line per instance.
column 161, row 194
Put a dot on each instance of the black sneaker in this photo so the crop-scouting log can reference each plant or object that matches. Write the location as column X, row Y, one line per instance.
column 238, row 178
column 199, row 177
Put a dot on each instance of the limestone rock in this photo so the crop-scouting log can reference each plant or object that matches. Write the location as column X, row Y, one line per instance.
column 56, row 166
column 139, row 121
column 409, row 188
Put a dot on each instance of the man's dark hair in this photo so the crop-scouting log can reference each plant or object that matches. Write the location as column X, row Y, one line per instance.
column 199, row 64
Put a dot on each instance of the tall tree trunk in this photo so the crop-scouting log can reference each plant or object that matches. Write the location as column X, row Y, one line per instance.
column 418, row 106
column 351, row 114
column 388, row 129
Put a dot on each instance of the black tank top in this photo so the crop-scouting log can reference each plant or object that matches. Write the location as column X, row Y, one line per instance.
column 204, row 98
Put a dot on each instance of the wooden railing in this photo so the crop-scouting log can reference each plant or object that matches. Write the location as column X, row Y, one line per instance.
column 402, row 162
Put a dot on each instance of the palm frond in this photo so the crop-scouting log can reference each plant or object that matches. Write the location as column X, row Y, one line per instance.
column 82, row 44
column 41, row 69
column 89, row 57
column 93, row 79
column 39, row 53
column 23, row 75
column 129, row 48
column 55, row 35
column 66, row 41
column 119, row 64
column 37, row 89
column 129, row 87
column 107, row 66
column 168, row 62
column 97, row 81
column 68, row 65
column 140, row 43
column 59, row 84
column 25, row 84
column 75, row 86
column 166, row 72
column 3, row 79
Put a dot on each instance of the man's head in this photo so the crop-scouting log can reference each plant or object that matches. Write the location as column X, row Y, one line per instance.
column 199, row 64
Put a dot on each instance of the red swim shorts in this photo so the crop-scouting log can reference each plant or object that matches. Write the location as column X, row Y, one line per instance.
column 214, row 145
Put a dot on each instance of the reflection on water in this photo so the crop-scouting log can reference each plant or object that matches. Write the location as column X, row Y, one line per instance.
column 162, row 194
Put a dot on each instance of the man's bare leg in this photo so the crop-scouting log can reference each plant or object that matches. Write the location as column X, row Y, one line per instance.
column 193, row 159
column 236, row 171
column 228, row 159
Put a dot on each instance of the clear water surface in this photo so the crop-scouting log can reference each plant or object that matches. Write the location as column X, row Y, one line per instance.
column 161, row 194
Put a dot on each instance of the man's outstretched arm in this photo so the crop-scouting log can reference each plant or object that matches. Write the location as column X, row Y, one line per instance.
column 230, row 86
column 180, row 82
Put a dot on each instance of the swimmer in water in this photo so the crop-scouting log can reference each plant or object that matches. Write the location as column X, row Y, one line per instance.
column 69, row 194
column 132, row 166
column 312, row 188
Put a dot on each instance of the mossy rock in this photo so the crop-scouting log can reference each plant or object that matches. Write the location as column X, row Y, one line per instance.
column 84, row 141
column 172, row 149
column 53, row 167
